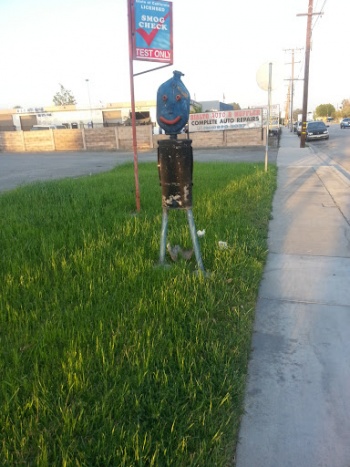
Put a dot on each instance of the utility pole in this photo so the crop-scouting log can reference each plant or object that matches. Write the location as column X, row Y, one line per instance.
column 309, row 15
column 287, row 116
column 291, row 100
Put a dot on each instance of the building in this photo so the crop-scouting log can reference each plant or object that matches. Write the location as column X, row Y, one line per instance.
column 210, row 106
column 75, row 116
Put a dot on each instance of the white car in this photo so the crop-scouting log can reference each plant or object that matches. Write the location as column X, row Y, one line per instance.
column 345, row 123
column 299, row 125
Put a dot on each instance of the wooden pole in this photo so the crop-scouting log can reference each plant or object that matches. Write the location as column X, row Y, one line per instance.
column 306, row 74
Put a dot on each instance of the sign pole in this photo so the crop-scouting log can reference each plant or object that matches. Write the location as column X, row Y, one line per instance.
column 268, row 116
column 133, row 112
column 149, row 40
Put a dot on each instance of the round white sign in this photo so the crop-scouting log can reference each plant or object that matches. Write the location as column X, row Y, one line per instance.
column 262, row 76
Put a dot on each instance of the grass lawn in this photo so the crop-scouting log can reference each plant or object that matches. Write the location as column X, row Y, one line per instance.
column 107, row 359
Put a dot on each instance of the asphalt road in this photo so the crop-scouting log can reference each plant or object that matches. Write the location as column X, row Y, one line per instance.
column 17, row 169
column 337, row 148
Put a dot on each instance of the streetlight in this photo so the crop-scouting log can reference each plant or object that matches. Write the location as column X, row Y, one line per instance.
column 88, row 90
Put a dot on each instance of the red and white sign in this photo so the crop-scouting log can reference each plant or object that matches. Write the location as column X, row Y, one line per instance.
column 152, row 31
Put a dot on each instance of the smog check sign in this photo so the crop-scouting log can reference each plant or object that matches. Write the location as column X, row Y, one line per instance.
column 152, row 29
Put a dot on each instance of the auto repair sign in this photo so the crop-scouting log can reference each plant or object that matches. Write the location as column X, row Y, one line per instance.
column 228, row 120
column 152, row 31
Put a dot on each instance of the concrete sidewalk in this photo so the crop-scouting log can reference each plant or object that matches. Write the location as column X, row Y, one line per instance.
column 297, row 404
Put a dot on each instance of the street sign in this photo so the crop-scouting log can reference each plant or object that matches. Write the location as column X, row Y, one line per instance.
column 152, row 31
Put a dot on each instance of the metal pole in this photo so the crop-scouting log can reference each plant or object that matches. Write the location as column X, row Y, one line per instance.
column 268, row 116
column 163, row 236
column 88, row 90
column 292, row 94
column 133, row 112
column 195, row 242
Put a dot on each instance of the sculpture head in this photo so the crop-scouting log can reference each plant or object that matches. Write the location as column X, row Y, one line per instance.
column 173, row 105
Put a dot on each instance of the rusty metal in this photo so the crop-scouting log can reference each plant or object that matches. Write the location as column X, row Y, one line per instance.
column 175, row 168
column 175, row 159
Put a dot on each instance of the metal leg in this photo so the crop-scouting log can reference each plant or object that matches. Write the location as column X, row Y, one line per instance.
column 195, row 240
column 163, row 236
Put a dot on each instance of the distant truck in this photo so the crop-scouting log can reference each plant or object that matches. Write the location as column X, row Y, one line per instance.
column 309, row 117
column 48, row 127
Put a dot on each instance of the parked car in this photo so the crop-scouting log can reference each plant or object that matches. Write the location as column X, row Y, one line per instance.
column 316, row 130
column 299, row 126
column 275, row 131
column 345, row 123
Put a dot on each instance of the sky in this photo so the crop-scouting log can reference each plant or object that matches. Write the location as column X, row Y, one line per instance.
column 219, row 46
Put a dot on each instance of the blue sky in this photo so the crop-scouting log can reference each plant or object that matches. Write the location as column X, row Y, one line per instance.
column 218, row 45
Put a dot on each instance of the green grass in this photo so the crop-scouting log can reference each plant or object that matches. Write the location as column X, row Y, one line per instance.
column 107, row 359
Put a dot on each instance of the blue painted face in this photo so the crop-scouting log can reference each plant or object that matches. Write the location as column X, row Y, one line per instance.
column 173, row 105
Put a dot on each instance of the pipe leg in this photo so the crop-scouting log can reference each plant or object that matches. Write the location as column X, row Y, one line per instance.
column 195, row 239
column 163, row 236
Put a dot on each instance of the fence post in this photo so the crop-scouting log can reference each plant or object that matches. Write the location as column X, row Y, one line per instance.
column 23, row 141
column 116, row 132
column 84, row 140
column 52, row 139
column 151, row 136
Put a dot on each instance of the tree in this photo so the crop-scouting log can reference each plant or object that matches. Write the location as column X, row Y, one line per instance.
column 343, row 110
column 346, row 107
column 64, row 97
column 296, row 112
column 325, row 110
column 236, row 106
column 195, row 108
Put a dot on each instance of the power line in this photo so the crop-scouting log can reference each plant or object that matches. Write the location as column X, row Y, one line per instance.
column 319, row 14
